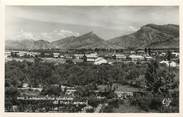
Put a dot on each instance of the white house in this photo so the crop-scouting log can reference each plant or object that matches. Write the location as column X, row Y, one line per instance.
column 7, row 54
column 162, row 54
column 148, row 57
column 176, row 54
column 172, row 63
column 25, row 85
column 56, row 55
column 91, row 57
column 21, row 53
column 120, row 56
column 99, row 61
column 33, row 54
column 78, row 56
column 136, row 57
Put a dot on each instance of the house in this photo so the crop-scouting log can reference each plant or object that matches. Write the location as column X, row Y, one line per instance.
column 140, row 52
column 122, row 94
column 25, row 85
column 176, row 54
column 103, row 88
column 21, row 53
column 61, row 56
column 100, row 61
column 134, row 57
column 148, row 57
column 124, row 91
column 56, row 55
column 162, row 54
column 91, row 57
column 68, row 56
column 33, row 54
column 132, row 52
column 120, row 56
column 172, row 63
column 78, row 56
column 7, row 54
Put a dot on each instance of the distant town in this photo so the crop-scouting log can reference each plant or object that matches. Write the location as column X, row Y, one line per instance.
column 92, row 80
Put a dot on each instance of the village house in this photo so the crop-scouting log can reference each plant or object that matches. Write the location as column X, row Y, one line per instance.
column 120, row 56
column 162, row 54
column 124, row 91
column 68, row 56
column 91, row 57
column 33, row 54
column 78, row 56
column 140, row 52
column 172, row 63
column 176, row 54
column 102, row 89
column 134, row 57
column 148, row 57
column 56, row 55
column 100, row 61
column 7, row 54
column 21, row 53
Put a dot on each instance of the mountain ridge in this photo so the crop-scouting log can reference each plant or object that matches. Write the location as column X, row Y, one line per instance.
column 149, row 35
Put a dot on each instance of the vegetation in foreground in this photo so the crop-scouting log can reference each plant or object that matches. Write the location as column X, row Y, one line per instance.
column 156, row 79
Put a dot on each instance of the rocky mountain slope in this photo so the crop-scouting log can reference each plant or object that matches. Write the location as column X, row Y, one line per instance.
column 151, row 35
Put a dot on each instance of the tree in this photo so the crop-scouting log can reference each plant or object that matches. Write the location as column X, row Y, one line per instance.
column 158, row 80
column 168, row 57
column 145, row 50
column 151, row 77
column 149, row 51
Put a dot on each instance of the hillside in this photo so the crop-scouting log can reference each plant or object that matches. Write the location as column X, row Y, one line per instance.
column 27, row 44
column 42, row 44
column 88, row 40
column 151, row 35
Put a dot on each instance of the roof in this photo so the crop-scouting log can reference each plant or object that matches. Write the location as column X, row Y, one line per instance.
column 172, row 63
column 100, row 60
column 92, row 55
column 136, row 56
column 125, row 88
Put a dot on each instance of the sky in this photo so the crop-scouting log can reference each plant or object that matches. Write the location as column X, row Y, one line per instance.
column 56, row 22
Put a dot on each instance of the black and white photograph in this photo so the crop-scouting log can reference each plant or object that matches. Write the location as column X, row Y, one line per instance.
column 91, row 59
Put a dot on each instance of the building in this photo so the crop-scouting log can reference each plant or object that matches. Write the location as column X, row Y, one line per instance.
column 103, row 88
column 7, row 54
column 56, row 55
column 172, row 63
column 21, row 53
column 91, row 57
column 176, row 54
column 100, row 61
column 33, row 54
column 148, row 57
column 25, row 85
column 68, row 56
column 134, row 57
column 120, row 56
column 78, row 56
column 124, row 91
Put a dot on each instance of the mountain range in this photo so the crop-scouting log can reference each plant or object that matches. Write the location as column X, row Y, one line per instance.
column 150, row 35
